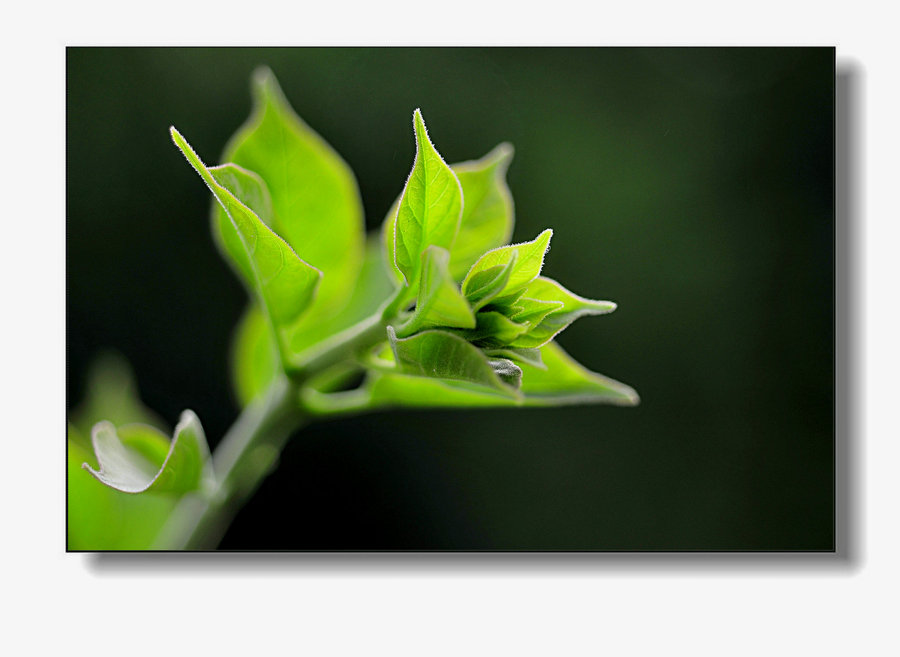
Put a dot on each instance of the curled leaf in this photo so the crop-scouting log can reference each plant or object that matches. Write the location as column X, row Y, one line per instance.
column 137, row 458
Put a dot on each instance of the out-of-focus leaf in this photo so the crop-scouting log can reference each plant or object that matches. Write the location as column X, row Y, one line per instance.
column 284, row 283
column 316, row 202
column 137, row 458
column 508, row 371
column 102, row 518
column 254, row 357
column 570, row 307
column 439, row 302
column 527, row 266
column 487, row 218
column 430, row 207
column 442, row 355
column 111, row 394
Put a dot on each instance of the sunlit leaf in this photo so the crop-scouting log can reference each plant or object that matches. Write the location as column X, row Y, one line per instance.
column 494, row 329
column 486, row 284
column 570, row 307
column 284, row 283
column 136, row 458
column 254, row 362
column 439, row 302
column 529, row 259
column 102, row 518
column 442, row 355
column 430, row 207
column 315, row 198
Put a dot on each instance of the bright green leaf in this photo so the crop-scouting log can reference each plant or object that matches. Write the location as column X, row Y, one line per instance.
column 529, row 259
column 494, row 329
column 111, row 394
column 315, row 197
column 522, row 356
column 137, row 458
column 566, row 381
column 571, row 307
column 439, row 302
column 533, row 311
column 430, row 206
column 487, row 218
column 486, row 284
column 562, row 382
column 442, row 355
column 102, row 518
column 254, row 362
column 284, row 283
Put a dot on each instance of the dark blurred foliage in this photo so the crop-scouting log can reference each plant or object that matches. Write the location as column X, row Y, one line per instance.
column 692, row 186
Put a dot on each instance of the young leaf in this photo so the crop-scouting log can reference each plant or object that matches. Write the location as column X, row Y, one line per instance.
column 137, row 458
column 529, row 259
column 439, row 302
column 533, row 311
column 314, row 193
column 102, row 518
column 442, row 355
column 565, row 381
column 571, row 307
column 284, row 283
column 487, row 219
column 430, row 206
column 494, row 329
column 484, row 285
column 508, row 371
column 254, row 361
column 518, row 355
column 561, row 382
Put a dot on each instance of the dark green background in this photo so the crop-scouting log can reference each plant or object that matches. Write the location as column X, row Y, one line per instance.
column 692, row 186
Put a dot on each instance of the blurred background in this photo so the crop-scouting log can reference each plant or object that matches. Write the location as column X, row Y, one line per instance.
column 693, row 187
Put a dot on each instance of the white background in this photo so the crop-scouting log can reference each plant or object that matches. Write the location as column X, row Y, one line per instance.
column 58, row 603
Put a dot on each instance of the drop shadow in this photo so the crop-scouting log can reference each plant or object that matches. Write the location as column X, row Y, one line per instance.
column 847, row 557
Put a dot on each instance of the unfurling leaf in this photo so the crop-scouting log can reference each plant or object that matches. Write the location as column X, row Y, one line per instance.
column 430, row 207
column 137, row 458
column 284, row 284
column 484, row 285
column 569, row 307
column 439, row 302
column 315, row 198
column 529, row 259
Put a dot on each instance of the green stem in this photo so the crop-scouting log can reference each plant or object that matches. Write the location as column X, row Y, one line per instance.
column 250, row 449
column 242, row 460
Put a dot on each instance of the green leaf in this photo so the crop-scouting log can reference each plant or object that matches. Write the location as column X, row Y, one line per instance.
column 561, row 381
column 523, row 356
column 254, row 356
column 570, row 307
column 315, row 198
column 251, row 190
column 487, row 216
column 494, row 329
column 439, row 302
column 442, row 355
column 284, row 283
column 137, row 458
column 111, row 394
column 533, row 311
column 430, row 207
column 566, row 381
column 486, row 284
column 254, row 361
column 102, row 518
column 529, row 259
